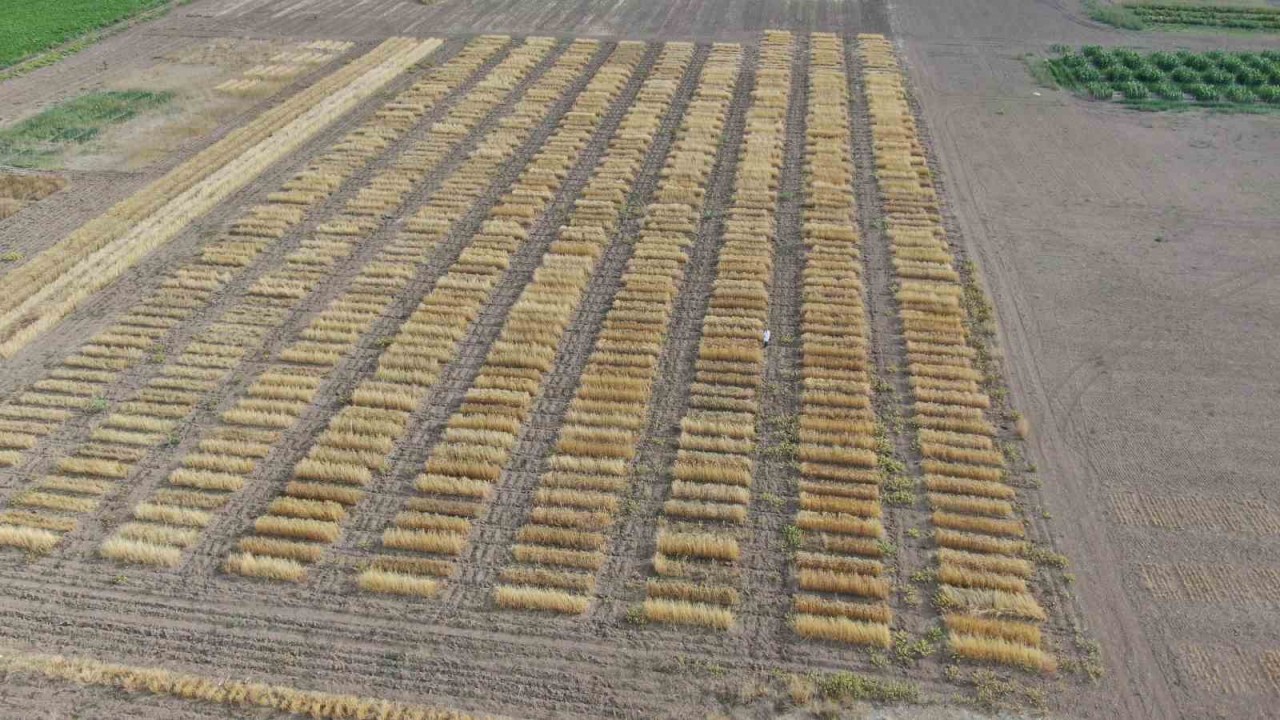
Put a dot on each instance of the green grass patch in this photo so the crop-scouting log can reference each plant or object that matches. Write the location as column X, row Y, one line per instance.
column 1163, row 80
column 38, row 139
column 33, row 26
column 1250, row 18
column 1116, row 15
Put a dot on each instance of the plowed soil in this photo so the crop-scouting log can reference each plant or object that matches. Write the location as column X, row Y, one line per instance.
column 1130, row 256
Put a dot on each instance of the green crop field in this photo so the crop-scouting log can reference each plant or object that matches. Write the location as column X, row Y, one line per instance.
column 31, row 26
column 39, row 138
column 1214, row 78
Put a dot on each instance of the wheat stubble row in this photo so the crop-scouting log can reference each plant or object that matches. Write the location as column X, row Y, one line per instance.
column 838, row 567
column 699, row 532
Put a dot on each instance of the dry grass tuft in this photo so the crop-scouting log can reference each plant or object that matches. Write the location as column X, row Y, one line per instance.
column 842, row 629
column 989, row 649
column 684, row 613
column 30, row 539
column 394, row 583
column 140, row 552
column 531, row 598
column 701, row 545
column 265, row 567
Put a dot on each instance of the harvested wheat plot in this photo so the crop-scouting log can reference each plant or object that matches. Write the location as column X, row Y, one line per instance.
column 466, row 368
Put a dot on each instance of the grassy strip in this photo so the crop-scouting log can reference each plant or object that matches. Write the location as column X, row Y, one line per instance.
column 1115, row 15
column 33, row 26
column 1264, row 19
column 36, row 140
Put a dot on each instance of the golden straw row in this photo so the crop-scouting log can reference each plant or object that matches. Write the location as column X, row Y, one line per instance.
column 223, row 691
column 148, row 419
column 562, row 544
column 837, row 569
column 698, row 532
column 526, row 343
column 44, row 290
column 983, row 577
column 226, row 457
column 466, row 465
column 306, row 516
column 80, row 383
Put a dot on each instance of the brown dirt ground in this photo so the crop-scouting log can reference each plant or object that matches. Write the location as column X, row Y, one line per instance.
column 1146, row 367
column 1130, row 258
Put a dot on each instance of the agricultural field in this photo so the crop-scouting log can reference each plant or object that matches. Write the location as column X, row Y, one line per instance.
column 31, row 28
column 1214, row 78
column 739, row 359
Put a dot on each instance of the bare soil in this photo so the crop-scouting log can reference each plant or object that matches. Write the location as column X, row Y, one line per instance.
column 1131, row 257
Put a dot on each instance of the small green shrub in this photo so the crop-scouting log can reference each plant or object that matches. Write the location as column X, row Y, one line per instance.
column 1164, row 60
column 1217, row 77
column 1133, row 90
column 1088, row 74
column 1203, row 92
column 1099, row 91
column 1148, row 74
column 1197, row 62
column 1118, row 74
column 1251, row 77
column 1269, row 94
column 1238, row 94
column 1185, row 75
column 1167, row 91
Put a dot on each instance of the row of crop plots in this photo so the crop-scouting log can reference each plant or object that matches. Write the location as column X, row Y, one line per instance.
column 461, row 474
column 838, row 568
column 698, row 536
column 562, row 543
column 86, row 375
column 429, row 364
column 990, row 612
